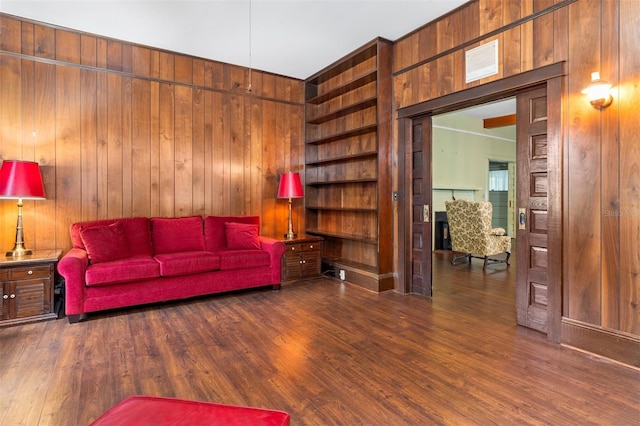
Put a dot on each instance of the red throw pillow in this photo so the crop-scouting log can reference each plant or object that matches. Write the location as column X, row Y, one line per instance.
column 241, row 236
column 105, row 242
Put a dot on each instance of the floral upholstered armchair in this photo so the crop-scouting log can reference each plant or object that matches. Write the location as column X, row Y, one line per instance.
column 472, row 235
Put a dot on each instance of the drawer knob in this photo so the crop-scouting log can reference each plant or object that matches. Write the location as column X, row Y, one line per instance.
column 293, row 248
column 5, row 297
column 30, row 272
column 13, row 296
column 310, row 245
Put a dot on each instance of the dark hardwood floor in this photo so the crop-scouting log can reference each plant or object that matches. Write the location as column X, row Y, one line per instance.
column 328, row 353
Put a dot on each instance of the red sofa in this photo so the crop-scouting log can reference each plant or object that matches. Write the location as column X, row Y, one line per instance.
column 116, row 263
column 142, row 410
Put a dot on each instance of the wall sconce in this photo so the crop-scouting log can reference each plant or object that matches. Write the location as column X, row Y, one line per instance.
column 598, row 92
column 20, row 180
column 290, row 187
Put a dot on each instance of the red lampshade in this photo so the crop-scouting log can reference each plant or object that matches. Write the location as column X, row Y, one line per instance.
column 21, row 179
column 290, row 186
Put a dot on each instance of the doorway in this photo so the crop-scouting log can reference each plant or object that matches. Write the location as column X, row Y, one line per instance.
column 542, row 245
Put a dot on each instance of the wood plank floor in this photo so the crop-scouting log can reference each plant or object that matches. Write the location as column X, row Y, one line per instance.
column 328, row 353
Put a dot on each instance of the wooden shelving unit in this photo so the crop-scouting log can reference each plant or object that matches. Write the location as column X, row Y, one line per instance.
column 347, row 164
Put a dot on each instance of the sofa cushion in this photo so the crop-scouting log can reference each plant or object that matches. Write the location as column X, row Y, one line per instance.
column 136, row 268
column 243, row 259
column 136, row 229
column 241, row 236
column 173, row 235
column 105, row 243
column 215, row 233
column 188, row 262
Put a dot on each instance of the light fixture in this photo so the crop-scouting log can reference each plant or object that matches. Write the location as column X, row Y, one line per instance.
column 598, row 92
column 20, row 180
column 290, row 187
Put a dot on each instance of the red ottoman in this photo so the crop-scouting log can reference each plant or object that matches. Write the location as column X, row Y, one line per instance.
column 150, row 410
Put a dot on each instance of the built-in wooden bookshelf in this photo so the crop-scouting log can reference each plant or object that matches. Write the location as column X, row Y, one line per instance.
column 348, row 192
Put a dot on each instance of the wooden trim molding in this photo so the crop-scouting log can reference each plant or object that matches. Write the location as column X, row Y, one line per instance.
column 501, row 121
column 612, row 344
column 486, row 92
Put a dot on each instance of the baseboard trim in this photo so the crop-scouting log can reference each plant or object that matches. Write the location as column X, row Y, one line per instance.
column 614, row 345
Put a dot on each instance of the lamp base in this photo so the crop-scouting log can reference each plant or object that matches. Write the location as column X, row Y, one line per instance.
column 17, row 252
column 290, row 235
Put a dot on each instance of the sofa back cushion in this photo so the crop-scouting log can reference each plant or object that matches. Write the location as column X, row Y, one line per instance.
column 136, row 230
column 105, row 243
column 215, row 229
column 242, row 236
column 173, row 235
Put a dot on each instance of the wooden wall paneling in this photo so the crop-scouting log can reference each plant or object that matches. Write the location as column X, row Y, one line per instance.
column 183, row 69
column 67, row 46
column 127, row 165
column 102, row 149
column 114, row 145
column 627, row 96
column 114, row 55
column 11, row 30
column 584, row 192
column 237, row 144
column 9, row 98
column 101, row 53
column 10, row 92
column 403, row 48
column 445, row 65
column 27, row 34
column 272, row 207
column 217, row 76
column 526, row 37
column 183, row 147
column 490, row 14
column 89, row 143
column 295, row 145
column 67, row 150
column 220, row 154
column 256, row 187
column 45, row 153
column 154, row 149
column 199, row 131
column 166, row 147
column 209, row 120
column 511, row 40
column 88, row 50
column 560, row 34
column 26, row 138
column 198, row 72
column 166, row 66
column 610, row 273
column 141, row 152
column 543, row 35
column 127, row 60
column 141, row 61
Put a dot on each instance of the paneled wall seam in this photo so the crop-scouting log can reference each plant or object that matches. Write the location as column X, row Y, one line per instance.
column 142, row 77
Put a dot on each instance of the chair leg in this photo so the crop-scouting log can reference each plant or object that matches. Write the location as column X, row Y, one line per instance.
column 507, row 259
column 484, row 267
column 454, row 258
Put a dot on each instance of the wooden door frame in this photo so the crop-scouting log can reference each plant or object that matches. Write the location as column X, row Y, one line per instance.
column 551, row 75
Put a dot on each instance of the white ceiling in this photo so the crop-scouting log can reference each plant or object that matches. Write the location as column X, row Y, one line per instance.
column 295, row 38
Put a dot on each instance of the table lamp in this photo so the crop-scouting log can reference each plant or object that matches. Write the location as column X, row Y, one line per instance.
column 20, row 180
column 290, row 187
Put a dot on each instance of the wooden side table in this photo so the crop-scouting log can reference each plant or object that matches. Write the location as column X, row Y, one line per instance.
column 26, row 287
column 302, row 258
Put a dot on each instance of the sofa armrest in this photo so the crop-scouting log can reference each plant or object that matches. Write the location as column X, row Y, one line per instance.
column 275, row 249
column 73, row 267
